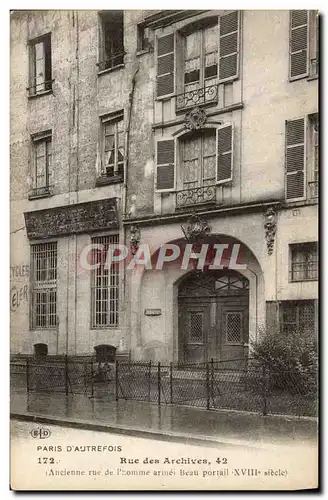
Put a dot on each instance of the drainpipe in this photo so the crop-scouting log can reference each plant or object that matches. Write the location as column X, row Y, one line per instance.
column 126, row 147
column 127, row 137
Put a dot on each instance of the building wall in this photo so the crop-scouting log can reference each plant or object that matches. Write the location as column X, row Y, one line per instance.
column 258, row 103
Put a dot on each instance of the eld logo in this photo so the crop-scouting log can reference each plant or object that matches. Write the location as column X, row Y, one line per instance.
column 40, row 432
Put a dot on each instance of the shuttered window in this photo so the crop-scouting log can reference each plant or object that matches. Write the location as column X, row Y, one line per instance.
column 165, row 158
column 224, row 141
column 298, row 44
column 165, row 65
column 229, row 40
column 294, row 158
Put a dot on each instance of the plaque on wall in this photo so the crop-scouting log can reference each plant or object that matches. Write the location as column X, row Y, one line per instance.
column 72, row 219
column 153, row 312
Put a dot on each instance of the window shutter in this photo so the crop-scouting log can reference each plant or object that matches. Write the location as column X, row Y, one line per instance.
column 165, row 179
column 295, row 159
column 229, row 42
column 165, row 65
column 298, row 44
column 224, row 148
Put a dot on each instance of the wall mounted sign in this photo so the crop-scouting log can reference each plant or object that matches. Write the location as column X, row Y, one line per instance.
column 72, row 219
column 153, row 312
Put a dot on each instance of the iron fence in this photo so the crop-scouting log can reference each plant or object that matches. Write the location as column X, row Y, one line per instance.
column 236, row 384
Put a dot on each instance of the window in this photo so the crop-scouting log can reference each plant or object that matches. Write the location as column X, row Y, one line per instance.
column 204, row 158
column 40, row 65
column 302, row 134
column 201, row 58
column 41, row 163
column 303, row 44
column 204, row 54
column 142, row 38
column 298, row 317
column 105, row 284
column 234, row 327
column 113, row 147
column 44, row 285
column 196, row 328
column 304, row 262
column 198, row 159
column 111, row 39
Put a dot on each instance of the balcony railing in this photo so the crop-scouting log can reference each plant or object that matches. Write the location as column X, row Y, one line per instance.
column 197, row 97
column 40, row 88
column 313, row 189
column 112, row 62
column 195, row 196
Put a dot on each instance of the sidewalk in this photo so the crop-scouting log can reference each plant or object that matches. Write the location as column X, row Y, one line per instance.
column 177, row 423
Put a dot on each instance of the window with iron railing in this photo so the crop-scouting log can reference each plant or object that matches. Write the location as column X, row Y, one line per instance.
column 44, row 285
column 40, row 65
column 191, row 62
column 41, row 164
column 104, row 283
column 298, row 317
column 304, row 262
column 111, row 50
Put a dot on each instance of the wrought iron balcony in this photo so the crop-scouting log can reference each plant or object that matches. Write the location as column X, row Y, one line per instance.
column 313, row 189
column 195, row 196
column 197, row 97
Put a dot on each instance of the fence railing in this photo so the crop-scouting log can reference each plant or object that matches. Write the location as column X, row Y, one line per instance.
column 237, row 384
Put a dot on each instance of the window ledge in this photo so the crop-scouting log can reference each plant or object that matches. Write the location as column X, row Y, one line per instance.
column 39, row 94
column 36, row 196
column 142, row 52
column 303, row 280
column 105, row 327
column 110, row 70
column 312, row 77
column 104, row 180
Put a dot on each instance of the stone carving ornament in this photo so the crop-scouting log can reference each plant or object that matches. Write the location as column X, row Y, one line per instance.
column 195, row 119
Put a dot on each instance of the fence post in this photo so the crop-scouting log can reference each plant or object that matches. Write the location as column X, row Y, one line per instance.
column 159, row 381
column 91, row 371
column 66, row 375
column 207, row 386
column 171, row 382
column 265, row 408
column 149, row 380
column 27, row 376
column 116, row 379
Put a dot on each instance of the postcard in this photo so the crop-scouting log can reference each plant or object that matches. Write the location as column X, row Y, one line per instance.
column 164, row 249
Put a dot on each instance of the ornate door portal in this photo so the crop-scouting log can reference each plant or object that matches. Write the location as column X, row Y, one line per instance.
column 213, row 316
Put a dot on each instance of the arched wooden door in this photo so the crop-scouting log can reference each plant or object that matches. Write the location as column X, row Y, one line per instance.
column 213, row 316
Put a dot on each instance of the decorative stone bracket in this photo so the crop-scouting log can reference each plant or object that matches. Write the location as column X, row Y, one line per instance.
column 134, row 239
column 270, row 227
column 195, row 228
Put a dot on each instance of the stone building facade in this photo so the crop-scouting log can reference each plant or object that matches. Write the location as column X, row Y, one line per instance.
column 140, row 128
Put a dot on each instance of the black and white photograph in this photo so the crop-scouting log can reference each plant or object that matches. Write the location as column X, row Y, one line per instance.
column 164, row 189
